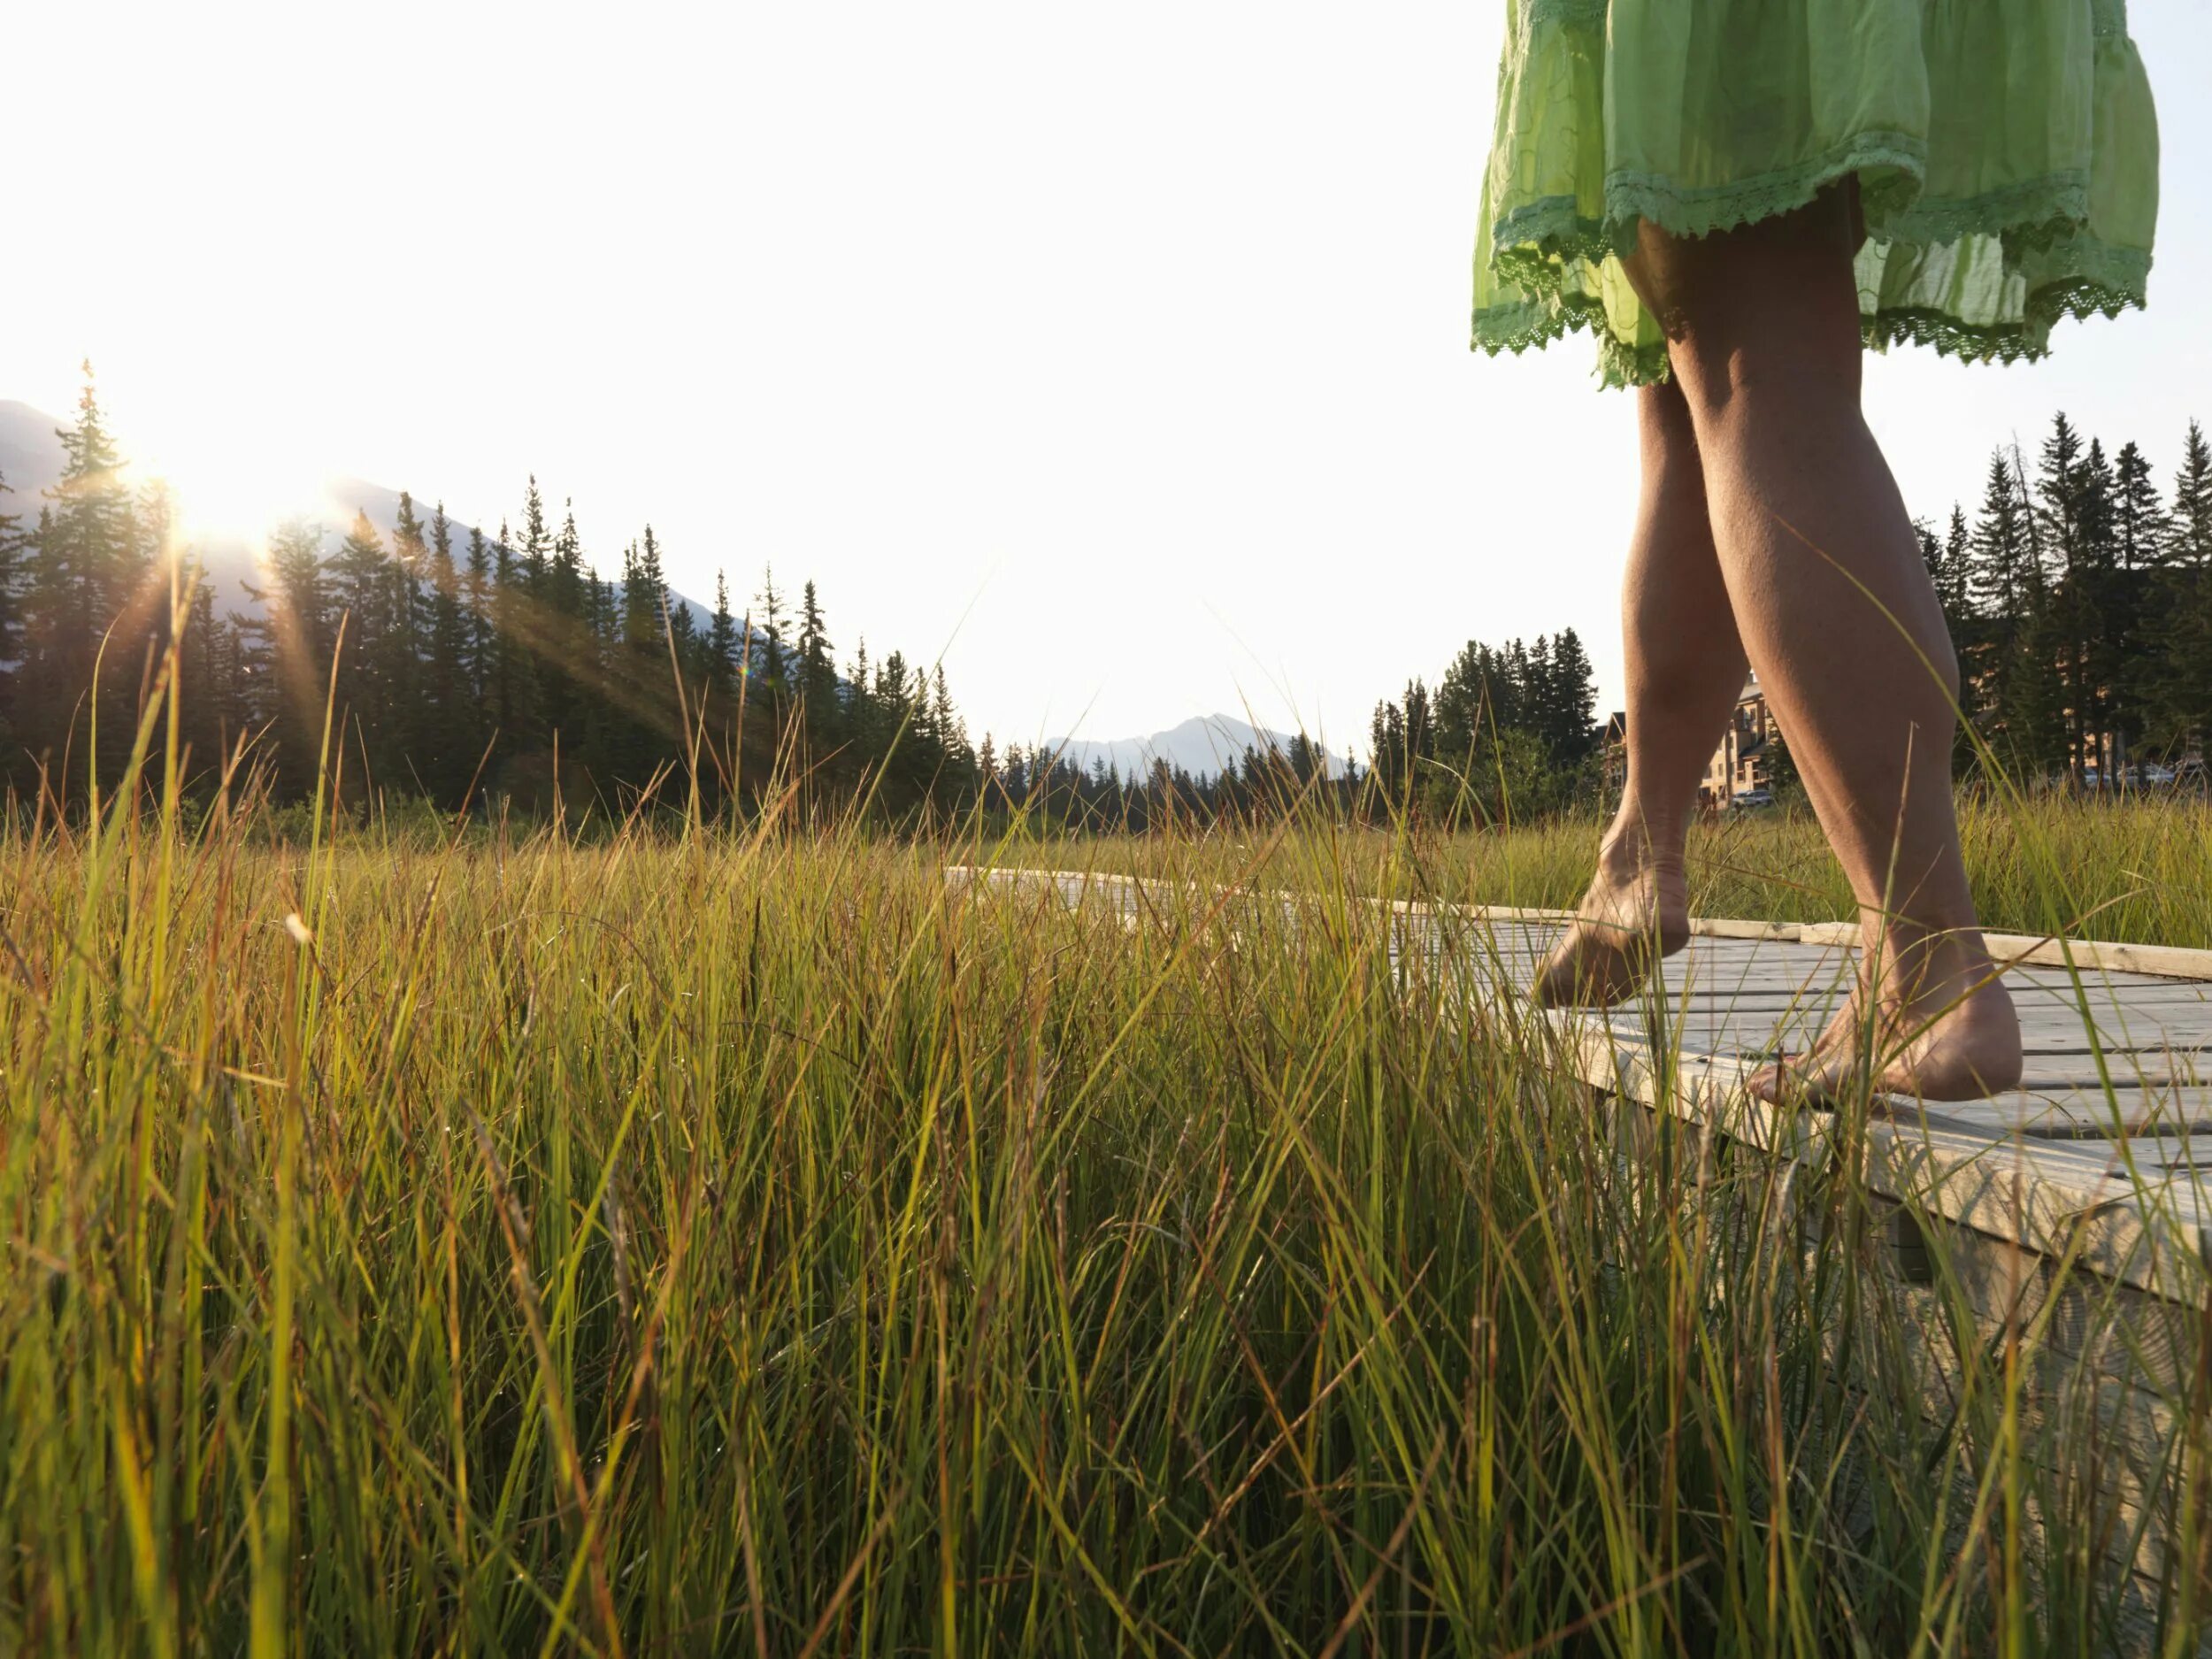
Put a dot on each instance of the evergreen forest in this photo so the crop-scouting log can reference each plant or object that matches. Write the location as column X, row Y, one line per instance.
column 488, row 670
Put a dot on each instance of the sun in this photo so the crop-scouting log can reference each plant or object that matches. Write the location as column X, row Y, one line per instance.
column 233, row 481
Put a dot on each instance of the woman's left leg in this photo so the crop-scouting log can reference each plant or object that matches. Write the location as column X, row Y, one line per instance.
column 1684, row 668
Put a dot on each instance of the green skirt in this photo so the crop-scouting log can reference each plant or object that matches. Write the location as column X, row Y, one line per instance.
column 2006, row 154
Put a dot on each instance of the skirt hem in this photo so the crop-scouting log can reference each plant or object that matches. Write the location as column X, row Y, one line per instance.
column 1544, row 248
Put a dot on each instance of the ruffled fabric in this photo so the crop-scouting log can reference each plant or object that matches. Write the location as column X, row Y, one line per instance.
column 2007, row 154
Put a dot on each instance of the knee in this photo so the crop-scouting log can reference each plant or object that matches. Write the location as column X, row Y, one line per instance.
column 1736, row 371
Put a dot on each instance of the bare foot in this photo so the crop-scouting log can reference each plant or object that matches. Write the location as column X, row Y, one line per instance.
column 1944, row 1030
column 1636, row 912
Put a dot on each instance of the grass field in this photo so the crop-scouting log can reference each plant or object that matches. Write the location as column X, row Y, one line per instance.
column 2138, row 869
column 737, row 1243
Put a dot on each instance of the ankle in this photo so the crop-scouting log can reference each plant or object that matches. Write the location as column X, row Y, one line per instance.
column 1630, row 850
column 1916, row 961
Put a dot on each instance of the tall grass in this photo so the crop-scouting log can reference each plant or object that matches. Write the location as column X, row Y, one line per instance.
column 746, row 1242
column 2136, row 868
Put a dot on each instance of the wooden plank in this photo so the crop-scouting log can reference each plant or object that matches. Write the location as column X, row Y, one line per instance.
column 2077, row 1114
column 2173, row 961
column 1747, row 1021
column 2078, row 1074
column 2166, row 1151
column 2055, row 1065
column 1729, row 928
column 2047, row 1195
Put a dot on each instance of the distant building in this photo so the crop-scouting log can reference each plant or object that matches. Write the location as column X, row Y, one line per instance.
column 1614, row 747
column 1745, row 759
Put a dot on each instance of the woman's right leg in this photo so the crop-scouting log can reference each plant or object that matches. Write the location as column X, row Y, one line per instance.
column 1685, row 670
column 1837, row 611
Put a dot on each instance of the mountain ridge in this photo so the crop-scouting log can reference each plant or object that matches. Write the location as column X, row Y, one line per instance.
column 1205, row 745
column 30, row 460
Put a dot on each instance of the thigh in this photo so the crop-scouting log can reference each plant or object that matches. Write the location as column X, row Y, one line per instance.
column 1778, row 294
column 1664, row 428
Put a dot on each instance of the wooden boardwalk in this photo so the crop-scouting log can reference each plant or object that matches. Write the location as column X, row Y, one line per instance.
column 2086, row 1195
column 2105, row 1152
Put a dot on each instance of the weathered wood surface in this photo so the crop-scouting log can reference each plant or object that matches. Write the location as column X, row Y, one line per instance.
column 2103, row 1156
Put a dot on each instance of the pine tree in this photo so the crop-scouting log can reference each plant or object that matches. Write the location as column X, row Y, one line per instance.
column 85, row 572
column 2064, row 514
column 207, row 699
column 681, row 627
column 1539, row 708
column 2188, row 539
column 444, row 747
column 560, row 639
column 952, row 780
column 1512, row 685
column 1958, row 605
column 988, row 781
column 285, row 652
column 644, row 596
column 769, row 607
column 2003, row 577
column 1462, row 715
column 2004, row 589
column 2179, row 673
column 2108, row 619
column 51, row 651
column 536, row 551
column 1403, row 738
column 603, row 612
column 1574, row 701
column 817, row 672
column 361, row 586
column 860, row 713
column 476, row 606
column 652, row 644
column 1945, row 558
column 565, row 595
column 1963, row 620
column 513, row 691
column 2058, row 493
column 13, row 547
column 2139, row 521
column 401, row 652
column 722, row 647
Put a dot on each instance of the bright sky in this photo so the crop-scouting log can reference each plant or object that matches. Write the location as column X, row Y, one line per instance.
column 1118, row 352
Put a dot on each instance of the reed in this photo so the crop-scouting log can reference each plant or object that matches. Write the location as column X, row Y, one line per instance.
column 695, row 1240
column 2136, row 868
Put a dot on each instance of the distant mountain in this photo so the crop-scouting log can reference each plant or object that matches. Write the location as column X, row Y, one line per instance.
column 1205, row 745
column 30, row 455
column 31, row 461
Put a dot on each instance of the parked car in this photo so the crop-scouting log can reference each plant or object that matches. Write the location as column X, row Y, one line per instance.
column 1751, row 800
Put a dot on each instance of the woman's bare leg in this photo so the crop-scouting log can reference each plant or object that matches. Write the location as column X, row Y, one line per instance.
column 1837, row 614
column 1686, row 667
